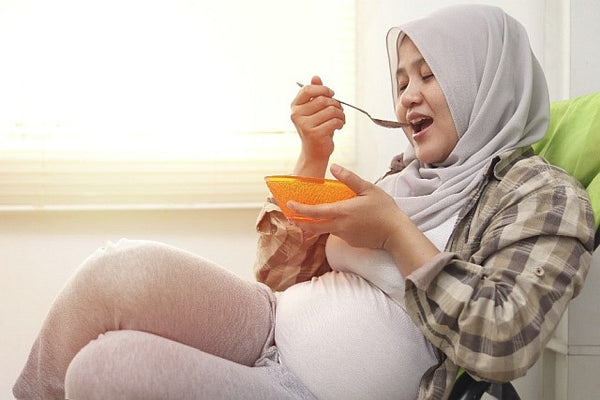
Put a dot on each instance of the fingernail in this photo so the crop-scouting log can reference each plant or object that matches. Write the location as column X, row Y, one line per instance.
column 335, row 169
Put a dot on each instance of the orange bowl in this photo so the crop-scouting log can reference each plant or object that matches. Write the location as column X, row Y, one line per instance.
column 305, row 190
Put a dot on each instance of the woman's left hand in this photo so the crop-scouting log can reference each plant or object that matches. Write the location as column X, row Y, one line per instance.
column 367, row 220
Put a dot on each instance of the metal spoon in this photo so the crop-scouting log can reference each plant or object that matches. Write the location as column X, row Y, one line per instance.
column 380, row 122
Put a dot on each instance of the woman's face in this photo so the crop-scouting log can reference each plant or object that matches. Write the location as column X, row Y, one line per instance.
column 422, row 104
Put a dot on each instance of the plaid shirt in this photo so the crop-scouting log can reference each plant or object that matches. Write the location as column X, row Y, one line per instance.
column 519, row 252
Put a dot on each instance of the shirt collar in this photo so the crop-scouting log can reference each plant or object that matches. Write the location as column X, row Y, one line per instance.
column 496, row 169
column 499, row 165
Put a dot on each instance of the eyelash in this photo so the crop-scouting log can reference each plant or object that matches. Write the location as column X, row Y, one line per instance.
column 425, row 77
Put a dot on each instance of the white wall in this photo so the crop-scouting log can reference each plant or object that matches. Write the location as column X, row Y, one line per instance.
column 39, row 250
column 584, row 47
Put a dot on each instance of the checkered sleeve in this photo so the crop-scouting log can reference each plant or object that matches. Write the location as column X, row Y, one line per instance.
column 493, row 300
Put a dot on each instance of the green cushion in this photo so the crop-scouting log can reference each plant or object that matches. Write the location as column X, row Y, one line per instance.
column 593, row 190
column 572, row 142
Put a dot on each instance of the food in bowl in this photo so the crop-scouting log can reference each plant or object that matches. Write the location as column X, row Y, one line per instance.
column 306, row 190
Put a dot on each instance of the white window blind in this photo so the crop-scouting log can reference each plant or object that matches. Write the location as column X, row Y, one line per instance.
column 161, row 102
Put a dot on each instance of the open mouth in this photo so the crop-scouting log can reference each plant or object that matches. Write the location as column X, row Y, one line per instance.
column 421, row 123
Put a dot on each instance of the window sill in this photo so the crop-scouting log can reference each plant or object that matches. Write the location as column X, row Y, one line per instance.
column 6, row 209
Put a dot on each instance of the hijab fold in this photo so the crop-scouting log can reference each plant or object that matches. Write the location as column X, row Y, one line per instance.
column 497, row 95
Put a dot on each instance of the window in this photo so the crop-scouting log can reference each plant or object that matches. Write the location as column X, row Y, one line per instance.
column 117, row 103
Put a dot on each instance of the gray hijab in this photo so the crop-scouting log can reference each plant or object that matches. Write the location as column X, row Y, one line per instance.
column 498, row 98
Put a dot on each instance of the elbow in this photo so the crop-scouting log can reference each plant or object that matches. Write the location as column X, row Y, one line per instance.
column 502, row 361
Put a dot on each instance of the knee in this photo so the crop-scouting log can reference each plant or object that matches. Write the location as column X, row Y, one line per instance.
column 85, row 374
column 116, row 264
column 92, row 371
column 118, row 365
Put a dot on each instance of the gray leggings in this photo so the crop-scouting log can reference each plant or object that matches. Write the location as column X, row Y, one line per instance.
column 143, row 320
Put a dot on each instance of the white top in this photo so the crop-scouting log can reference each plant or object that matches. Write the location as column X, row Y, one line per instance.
column 377, row 266
column 346, row 339
column 347, row 335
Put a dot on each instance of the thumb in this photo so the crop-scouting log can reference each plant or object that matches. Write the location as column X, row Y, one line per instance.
column 353, row 181
column 316, row 80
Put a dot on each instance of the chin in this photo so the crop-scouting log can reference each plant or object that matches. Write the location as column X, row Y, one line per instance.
column 431, row 157
column 431, row 161
column 425, row 158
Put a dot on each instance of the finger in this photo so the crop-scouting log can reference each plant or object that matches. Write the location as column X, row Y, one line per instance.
column 316, row 227
column 330, row 126
column 311, row 226
column 309, row 119
column 320, row 116
column 315, row 105
column 315, row 212
column 325, row 129
column 353, row 181
column 316, row 80
column 309, row 92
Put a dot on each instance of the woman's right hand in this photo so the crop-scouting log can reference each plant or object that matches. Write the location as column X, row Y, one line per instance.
column 316, row 116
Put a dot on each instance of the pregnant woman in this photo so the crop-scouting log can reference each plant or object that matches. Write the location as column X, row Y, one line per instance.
column 466, row 253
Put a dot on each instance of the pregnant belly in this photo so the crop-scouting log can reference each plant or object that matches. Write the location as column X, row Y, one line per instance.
column 344, row 338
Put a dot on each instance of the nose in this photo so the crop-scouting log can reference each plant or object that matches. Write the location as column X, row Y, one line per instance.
column 411, row 95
